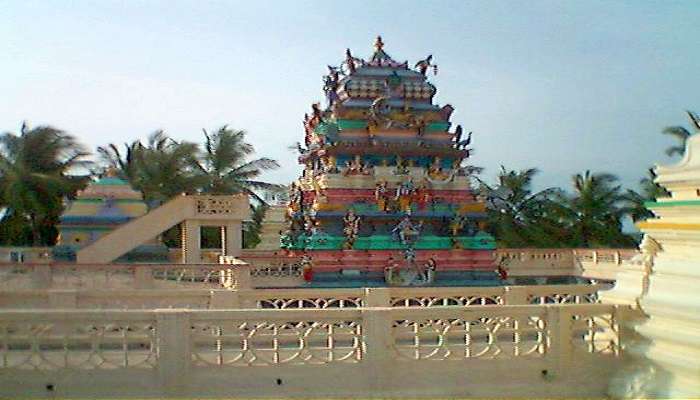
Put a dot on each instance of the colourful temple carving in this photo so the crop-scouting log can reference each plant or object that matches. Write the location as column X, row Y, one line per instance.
column 384, row 174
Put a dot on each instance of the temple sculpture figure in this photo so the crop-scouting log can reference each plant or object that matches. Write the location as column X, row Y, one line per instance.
column 384, row 175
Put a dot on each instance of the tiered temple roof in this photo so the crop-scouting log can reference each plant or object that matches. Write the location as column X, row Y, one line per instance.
column 98, row 209
column 380, row 154
column 103, row 205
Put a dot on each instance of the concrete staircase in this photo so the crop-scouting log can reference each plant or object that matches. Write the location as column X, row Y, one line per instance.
column 137, row 231
column 202, row 210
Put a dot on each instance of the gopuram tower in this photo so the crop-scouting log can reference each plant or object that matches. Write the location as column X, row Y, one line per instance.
column 385, row 191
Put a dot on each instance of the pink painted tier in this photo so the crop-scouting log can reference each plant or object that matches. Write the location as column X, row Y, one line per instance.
column 376, row 260
column 342, row 196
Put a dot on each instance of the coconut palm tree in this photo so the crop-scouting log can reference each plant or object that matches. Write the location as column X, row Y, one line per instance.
column 517, row 216
column 251, row 233
column 125, row 165
column 166, row 167
column 224, row 168
column 593, row 214
column 163, row 167
column 681, row 134
column 34, row 177
column 160, row 169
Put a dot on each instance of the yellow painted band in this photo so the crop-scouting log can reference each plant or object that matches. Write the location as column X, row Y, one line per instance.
column 667, row 225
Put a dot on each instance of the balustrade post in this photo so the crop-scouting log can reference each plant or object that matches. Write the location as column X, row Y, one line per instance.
column 174, row 351
column 378, row 337
column 595, row 257
column 41, row 277
column 560, row 354
column 224, row 299
column 243, row 278
column 143, row 277
column 377, row 297
column 515, row 295
column 617, row 257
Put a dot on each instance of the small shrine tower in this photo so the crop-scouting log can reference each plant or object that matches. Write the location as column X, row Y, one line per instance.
column 101, row 207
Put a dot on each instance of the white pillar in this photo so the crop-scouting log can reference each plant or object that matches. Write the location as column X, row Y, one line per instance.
column 192, row 241
column 234, row 238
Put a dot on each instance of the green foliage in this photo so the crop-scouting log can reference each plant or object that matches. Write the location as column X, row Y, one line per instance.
column 593, row 214
column 163, row 168
column 590, row 217
column 519, row 217
column 34, row 180
column 251, row 232
column 650, row 191
column 681, row 134
column 223, row 167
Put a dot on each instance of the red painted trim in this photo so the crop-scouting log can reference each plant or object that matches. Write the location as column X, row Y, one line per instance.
column 375, row 260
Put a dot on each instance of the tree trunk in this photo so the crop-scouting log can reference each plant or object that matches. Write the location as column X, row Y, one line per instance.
column 36, row 233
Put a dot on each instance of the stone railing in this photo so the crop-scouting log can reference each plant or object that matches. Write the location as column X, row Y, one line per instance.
column 476, row 351
column 270, row 269
column 25, row 254
column 419, row 296
column 583, row 262
column 604, row 256
column 122, row 276
column 602, row 263
column 538, row 262
column 301, row 298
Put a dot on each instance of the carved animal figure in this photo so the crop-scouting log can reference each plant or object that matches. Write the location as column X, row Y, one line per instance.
column 423, row 65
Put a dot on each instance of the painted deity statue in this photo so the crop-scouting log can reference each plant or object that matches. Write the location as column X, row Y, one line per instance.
column 356, row 167
column 311, row 224
column 330, row 85
column 407, row 231
column 435, row 170
column 404, row 193
column 422, row 195
column 400, row 166
column 350, row 63
column 456, row 224
column 391, row 272
column 307, row 268
column 295, row 198
column 381, row 194
column 429, row 270
column 329, row 165
column 287, row 238
column 379, row 114
column 351, row 228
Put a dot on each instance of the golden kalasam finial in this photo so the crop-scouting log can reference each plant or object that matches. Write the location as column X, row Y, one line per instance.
column 378, row 44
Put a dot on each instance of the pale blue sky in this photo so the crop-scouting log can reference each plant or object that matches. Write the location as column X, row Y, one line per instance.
column 562, row 86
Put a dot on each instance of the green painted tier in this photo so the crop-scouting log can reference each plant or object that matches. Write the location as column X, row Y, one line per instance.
column 323, row 241
column 481, row 240
column 351, row 124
